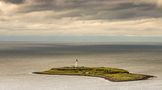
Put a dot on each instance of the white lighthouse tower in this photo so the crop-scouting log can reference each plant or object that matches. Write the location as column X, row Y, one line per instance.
column 76, row 63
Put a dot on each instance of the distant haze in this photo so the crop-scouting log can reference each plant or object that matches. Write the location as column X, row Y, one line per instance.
column 85, row 39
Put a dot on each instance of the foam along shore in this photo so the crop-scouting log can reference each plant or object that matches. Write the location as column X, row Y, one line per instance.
column 112, row 74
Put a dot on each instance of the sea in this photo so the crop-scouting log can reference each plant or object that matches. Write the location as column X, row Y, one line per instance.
column 19, row 59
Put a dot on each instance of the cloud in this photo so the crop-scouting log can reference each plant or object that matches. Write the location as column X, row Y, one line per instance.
column 14, row 1
column 146, row 27
column 157, row 2
column 81, row 17
column 92, row 9
column 96, row 9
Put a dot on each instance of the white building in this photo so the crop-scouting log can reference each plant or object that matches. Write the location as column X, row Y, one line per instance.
column 76, row 63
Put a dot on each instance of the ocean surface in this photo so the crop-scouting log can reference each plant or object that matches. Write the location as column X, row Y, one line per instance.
column 19, row 59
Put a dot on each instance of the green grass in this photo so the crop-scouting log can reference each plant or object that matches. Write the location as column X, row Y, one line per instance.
column 112, row 74
column 126, row 77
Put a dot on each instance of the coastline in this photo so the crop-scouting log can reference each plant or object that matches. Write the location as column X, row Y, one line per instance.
column 109, row 79
column 113, row 76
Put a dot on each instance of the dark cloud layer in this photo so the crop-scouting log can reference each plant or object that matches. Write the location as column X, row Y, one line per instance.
column 93, row 9
column 14, row 1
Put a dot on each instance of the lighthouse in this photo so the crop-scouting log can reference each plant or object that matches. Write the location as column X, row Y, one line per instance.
column 76, row 63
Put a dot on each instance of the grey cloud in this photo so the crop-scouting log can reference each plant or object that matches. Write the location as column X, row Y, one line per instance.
column 130, row 11
column 14, row 1
column 93, row 9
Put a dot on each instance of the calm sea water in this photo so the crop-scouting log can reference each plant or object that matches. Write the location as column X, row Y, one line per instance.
column 19, row 60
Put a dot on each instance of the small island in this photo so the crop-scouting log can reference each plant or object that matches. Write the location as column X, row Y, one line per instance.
column 111, row 74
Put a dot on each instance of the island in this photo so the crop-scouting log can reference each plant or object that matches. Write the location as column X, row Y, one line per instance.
column 111, row 74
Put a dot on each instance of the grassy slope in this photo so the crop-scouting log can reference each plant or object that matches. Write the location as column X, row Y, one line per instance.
column 112, row 74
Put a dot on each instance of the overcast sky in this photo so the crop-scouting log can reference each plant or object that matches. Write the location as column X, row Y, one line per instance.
column 99, row 18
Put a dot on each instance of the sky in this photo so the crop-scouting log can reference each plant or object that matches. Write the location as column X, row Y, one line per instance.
column 96, row 20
